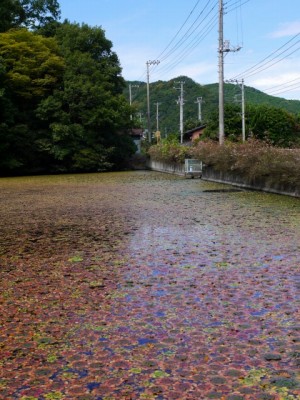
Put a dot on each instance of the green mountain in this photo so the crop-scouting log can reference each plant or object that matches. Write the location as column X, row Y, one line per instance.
column 166, row 93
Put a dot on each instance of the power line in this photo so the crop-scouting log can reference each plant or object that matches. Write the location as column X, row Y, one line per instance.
column 258, row 66
column 188, row 50
column 286, row 91
column 160, row 56
column 191, row 34
column 276, row 62
column 283, row 88
column 283, row 84
column 234, row 6
column 181, row 46
column 180, row 29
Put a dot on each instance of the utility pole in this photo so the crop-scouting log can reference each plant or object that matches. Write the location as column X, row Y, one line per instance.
column 224, row 47
column 243, row 112
column 130, row 94
column 148, row 63
column 242, row 87
column 221, row 75
column 181, row 104
column 199, row 102
column 157, row 117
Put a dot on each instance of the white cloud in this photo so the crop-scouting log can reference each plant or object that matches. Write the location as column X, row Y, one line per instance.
column 286, row 29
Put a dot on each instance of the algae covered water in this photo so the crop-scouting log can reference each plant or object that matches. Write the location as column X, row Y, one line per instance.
column 141, row 285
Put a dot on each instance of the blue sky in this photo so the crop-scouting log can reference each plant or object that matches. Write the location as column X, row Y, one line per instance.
column 183, row 35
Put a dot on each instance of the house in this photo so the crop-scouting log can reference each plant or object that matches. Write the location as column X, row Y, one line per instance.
column 193, row 134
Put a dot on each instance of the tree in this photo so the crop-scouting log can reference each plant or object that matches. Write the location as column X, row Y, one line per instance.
column 32, row 68
column 89, row 115
column 232, row 123
column 272, row 124
column 62, row 113
column 32, row 14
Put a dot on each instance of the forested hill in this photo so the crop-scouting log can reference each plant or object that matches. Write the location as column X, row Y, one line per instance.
column 166, row 93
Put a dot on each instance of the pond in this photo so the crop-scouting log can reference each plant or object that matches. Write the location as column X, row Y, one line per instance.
column 143, row 285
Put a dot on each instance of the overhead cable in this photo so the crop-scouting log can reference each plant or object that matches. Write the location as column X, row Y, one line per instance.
column 264, row 63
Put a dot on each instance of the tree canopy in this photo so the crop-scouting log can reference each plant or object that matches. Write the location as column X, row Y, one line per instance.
column 62, row 102
column 27, row 13
column 271, row 124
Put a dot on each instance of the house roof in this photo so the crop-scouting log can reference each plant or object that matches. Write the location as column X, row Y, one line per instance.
column 191, row 131
column 136, row 132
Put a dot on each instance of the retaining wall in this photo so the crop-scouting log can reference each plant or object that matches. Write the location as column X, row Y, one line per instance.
column 209, row 174
column 170, row 168
column 265, row 185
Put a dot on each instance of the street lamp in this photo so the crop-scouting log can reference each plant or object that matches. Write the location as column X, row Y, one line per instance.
column 148, row 63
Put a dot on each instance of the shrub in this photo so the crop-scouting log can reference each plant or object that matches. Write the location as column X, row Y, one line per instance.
column 253, row 159
column 169, row 151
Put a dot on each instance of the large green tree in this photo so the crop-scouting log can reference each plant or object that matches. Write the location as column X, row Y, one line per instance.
column 89, row 115
column 232, row 123
column 27, row 13
column 275, row 125
column 272, row 124
column 31, row 69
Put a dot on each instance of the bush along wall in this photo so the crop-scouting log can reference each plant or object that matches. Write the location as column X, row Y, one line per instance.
column 253, row 164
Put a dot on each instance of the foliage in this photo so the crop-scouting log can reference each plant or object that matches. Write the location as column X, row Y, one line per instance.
column 87, row 116
column 166, row 95
column 169, row 150
column 191, row 123
column 232, row 123
column 28, row 13
column 232, row 94
column 33, row 69
column 253, row 159
column 63, row 108
column 273, row 125
column 32, row 63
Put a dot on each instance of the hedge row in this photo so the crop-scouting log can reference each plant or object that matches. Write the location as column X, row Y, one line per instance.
column 253, row 159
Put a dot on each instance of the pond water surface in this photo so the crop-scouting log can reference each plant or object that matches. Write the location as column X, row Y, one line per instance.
column 142, row 285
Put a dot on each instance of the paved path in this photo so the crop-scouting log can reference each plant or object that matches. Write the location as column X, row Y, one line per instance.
column 141, row 285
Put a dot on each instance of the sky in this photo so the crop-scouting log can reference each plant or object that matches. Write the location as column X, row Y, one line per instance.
column 263, row 37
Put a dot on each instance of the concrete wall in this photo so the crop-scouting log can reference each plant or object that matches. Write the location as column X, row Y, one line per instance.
column 209, row 174
column 265, row 185
column 177, row 169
